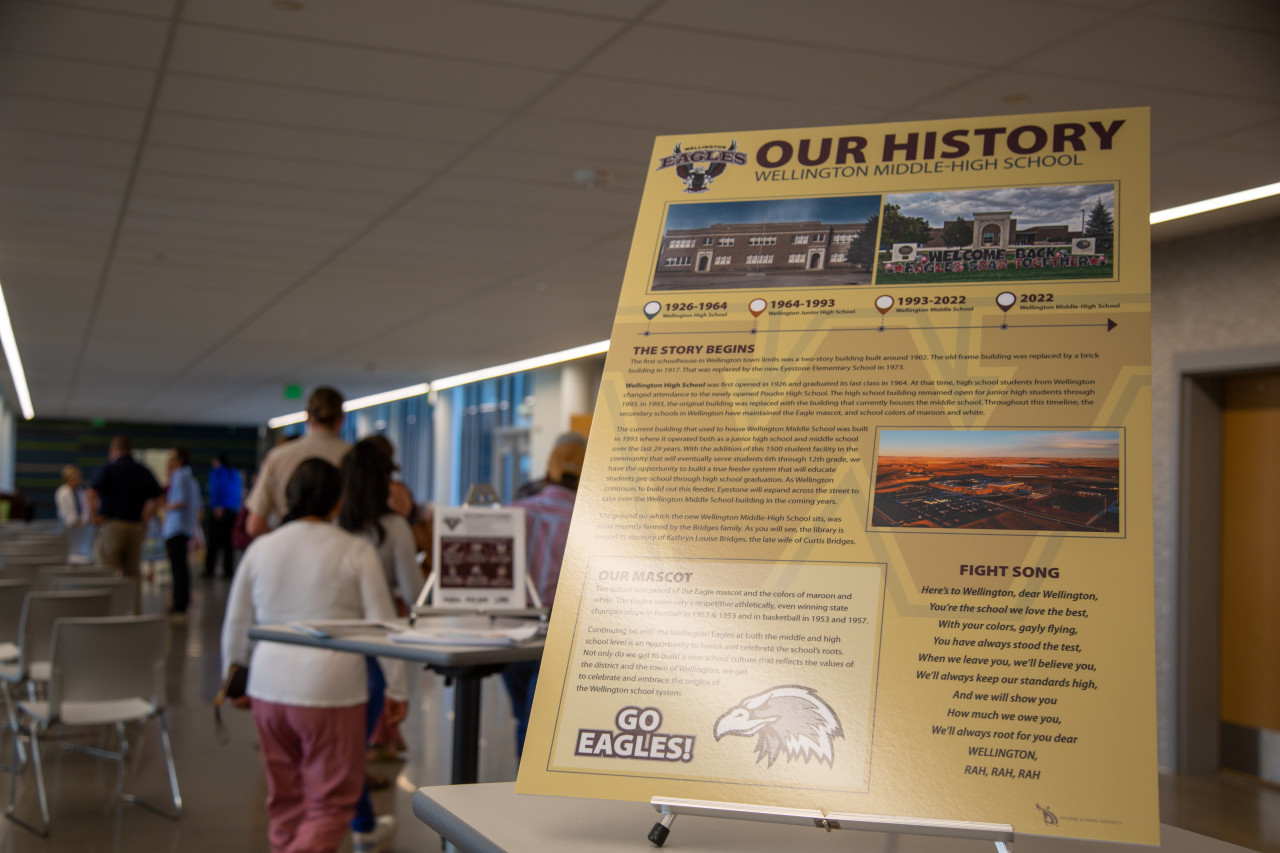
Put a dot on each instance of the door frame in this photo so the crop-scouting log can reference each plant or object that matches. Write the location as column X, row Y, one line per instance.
column 1196, row 533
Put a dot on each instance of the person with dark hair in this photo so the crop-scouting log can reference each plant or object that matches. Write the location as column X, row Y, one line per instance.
column 366, row 484
column 267, row 501
column 181, row 515
column 309, row 704
column 121, row 500
column 225, row 498
column 366, row 489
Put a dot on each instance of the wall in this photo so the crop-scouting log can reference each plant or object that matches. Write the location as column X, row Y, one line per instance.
column 1212, row 292
column 44, row 446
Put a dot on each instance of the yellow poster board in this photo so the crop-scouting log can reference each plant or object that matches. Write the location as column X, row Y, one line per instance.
column 865, row 521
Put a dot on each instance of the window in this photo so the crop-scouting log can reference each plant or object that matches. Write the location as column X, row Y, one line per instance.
column 678, row 261
column 708, row 241
column 819, row 238
column 681, row 243
column 759, row 259
column 483, row 411
column 796, row 259
column 843, row 238
column 725, row 241
column 800, row 239
column 762, row 241
column 723, row 260
column 839, row 257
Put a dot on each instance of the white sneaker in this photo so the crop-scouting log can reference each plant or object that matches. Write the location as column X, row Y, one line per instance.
column 384, row 830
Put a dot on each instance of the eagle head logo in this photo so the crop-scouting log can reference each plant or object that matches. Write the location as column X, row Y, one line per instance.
column 790, row 719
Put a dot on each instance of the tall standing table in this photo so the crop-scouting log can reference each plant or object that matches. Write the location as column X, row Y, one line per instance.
column 465, row 665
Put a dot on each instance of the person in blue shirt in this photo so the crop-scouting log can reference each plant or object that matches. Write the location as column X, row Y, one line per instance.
column 182, row 513
column 226, row 493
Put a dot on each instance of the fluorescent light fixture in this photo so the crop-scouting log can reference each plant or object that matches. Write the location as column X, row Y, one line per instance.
column 1214, row 203
column 518, row 366
column 386, row 397
column 287, row 420
column 15, row 361
column 357, row 403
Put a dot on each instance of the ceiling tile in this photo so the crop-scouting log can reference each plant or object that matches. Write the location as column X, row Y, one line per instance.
column 56, row 30
column 43, row 115
column 302, row 108
column 336, row 68
column 995, row 35
column 1175, row 55
column 355, row 149
column 652, row 109
column 39, row 76
column 752, row 67
column 476, row 31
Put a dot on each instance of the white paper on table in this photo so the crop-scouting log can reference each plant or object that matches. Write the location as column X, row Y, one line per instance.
column 343, row 627
column 467, row 637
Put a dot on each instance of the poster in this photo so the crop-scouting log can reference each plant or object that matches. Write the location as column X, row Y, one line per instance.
column 479, row 555
column 865, row 521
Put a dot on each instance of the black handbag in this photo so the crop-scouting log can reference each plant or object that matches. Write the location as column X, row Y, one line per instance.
column 233, row 687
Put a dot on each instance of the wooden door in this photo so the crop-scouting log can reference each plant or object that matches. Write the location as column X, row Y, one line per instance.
column 1250, row 576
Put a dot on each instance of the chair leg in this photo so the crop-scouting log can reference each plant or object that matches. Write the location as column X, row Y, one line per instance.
column 19, row 753
column 169, row 766
column 42, row 795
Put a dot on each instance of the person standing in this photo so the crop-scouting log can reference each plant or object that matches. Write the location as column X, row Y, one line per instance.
column 546, row 516
column 70, row 500
column 121, row 500
column 266, row 502
column 309, row 705
column 225, row 496
column 73, row 512
column 365, row 512
column 182, row 513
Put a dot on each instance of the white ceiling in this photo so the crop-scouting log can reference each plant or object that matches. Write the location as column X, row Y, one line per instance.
column 202, row 201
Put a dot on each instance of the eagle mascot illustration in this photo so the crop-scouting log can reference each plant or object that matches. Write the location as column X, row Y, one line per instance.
column 790, row 719
column 697, row 179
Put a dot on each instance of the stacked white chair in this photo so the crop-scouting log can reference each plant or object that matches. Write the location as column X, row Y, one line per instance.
column 103, row 672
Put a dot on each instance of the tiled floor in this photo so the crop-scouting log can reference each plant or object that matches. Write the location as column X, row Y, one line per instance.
column 223, row 788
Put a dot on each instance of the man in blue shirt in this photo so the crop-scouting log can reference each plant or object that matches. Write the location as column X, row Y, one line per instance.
column 182, row 512
column 225, row 496
column 121, row 500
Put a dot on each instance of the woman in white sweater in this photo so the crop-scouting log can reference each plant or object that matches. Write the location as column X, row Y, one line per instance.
column 309, row 704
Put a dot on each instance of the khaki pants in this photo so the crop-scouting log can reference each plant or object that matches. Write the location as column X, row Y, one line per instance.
column 120, row 547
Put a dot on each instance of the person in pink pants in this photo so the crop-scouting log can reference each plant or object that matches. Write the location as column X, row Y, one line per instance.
column 308, row 703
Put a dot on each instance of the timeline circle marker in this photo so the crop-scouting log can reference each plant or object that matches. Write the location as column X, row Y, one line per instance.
column 651, row 309
column 884, row 303
column 757, row 306
column 1006, row 300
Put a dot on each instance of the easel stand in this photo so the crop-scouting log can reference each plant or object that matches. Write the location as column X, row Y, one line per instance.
column 479, row 495
column 999, row 833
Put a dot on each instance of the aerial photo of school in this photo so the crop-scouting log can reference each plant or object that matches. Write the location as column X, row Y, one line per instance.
column 1001, row 234
column 1063, row 480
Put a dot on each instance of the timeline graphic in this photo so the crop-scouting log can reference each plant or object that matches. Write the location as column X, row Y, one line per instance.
column 884, row 304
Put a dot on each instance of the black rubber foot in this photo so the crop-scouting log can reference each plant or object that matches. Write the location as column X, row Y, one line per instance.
column 658, row 835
